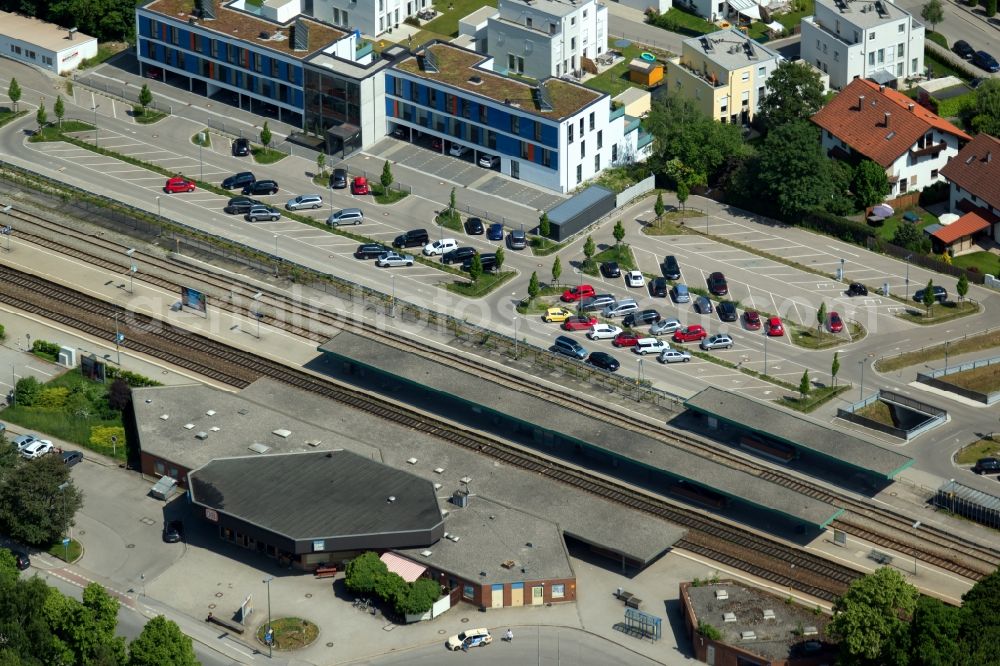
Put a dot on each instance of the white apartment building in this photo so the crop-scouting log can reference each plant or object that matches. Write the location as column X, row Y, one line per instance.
column 870, row 39
column 44, row 45
column 369, row 17
column 545, row 38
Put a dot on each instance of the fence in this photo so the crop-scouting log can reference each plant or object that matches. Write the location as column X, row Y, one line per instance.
column 935, row 415
column 630, row 194
column 931, row 263
column 125, row 218
column 903, row 201
column 932, row 379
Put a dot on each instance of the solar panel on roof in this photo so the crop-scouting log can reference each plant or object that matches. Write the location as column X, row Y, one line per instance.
column 430, row 62
column 544, row 98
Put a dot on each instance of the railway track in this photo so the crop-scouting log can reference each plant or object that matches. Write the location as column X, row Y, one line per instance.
column 755, row 554
column 880, row 526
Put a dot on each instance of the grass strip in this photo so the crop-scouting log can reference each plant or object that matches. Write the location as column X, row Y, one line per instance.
column 481, row 287
column 816, row 398
column 386, row 197
column 263, row 155
column 981, row 448
column 620, row 254
column 940, row 313
column 70, row 552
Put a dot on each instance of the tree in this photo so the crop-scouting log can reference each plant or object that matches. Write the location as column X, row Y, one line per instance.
column 363, row 573
column 265, row 136
column 909, row 236
column 86, row 630
column 59, row 109
column 981, row 623
column 161, row 642
column 985, row 108
column 476, row 267
column 794, row 93
column 835, row 367
column 928, row 299
column 499, row 259
column 932, row 13
column 32, row 508
column 991, row 8
column 386, row 178
column 451, row 201
column 821, row 315
column 869, row 184
column 26, row 391
column 658, row 208
column 589, row 249
column 556, row 270
column 28, row 638
column 145, row 97
column 619, row 232
column 934, row 634
column 804, row 385
column 391, row 587
column 871, row 618
column 544, row 225
column 40, row 116
column 420, row 597
column 533, row 288
column 321, row 163
column 14, row 92
column 682, row 196
column 962, row 286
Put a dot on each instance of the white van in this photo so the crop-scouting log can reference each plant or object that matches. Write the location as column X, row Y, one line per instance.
column 649, row 346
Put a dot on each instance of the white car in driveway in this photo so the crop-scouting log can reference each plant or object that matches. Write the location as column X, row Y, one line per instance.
column 37, row 449
column 389, row 259
column 603, row 332
column 635, row 279
column 439, row 247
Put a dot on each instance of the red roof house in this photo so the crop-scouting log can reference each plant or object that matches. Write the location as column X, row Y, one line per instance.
column 974, row 176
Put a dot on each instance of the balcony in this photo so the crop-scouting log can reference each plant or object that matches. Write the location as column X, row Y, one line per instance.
column 932, row 149
column 703, row 77
column 363, row 49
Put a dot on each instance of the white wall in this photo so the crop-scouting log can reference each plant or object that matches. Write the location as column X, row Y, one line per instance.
column 65, row 60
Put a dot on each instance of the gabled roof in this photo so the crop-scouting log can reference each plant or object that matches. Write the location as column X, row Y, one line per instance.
column 976, row 169
column 966, row 225
column 862, row 124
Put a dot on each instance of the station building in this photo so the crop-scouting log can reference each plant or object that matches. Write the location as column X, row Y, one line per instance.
column 44, row 45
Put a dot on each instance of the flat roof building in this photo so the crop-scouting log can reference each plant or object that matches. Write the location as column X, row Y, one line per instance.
column 44, row 45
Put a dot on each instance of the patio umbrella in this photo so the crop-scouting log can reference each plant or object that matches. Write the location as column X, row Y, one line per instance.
column 948, row 218
column 882, row 210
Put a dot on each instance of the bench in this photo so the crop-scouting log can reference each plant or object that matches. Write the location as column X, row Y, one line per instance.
column 325, row 572
column 633, row 602
column 880, row 557
column 235, row 628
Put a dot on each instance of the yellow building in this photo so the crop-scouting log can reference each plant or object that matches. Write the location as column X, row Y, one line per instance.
column 724, row 72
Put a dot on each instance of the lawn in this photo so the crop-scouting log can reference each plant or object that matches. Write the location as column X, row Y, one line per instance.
column 984, row 380
column 147, row 117
column 888, row 228
column 383, row 197
column 447, row 22
column 481, row 287
column 984, row 262
column 672, row 223
column 975, row 343
column 877, row 411
column 941, row 68
column 290, row 633
column 449, row 219
column 263, row 155
column 793, row 19
column 983, row 448
column 543, row 247
column 939, row 312
column 816, row 398
column 810, row 338
column 615, row 79
column 540, row 303
column 676, row 20
column 70, row 552
column 54, row 132
column 937, row 38
column 619, row 253
column 104, row 51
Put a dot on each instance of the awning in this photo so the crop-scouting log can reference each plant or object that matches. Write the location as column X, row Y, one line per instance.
column 883, row 77
column 407, row 569
column 775, row 26
column 748, row 8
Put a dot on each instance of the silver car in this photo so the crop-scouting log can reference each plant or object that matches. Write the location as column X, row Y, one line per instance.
column 305, row 201
column 262, row 213
column 389, row 259
column 673, row 356
column 717, row 341
column 665, row 326
column 703, row 305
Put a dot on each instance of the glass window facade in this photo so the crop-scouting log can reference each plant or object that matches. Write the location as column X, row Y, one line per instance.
column 331, row 100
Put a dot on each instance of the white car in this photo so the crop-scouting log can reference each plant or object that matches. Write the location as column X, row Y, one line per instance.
column 439, row 247
column 457, row 150
column 37, row 449
column 635, row 279
column 650, row 346
column 470, row 638
column 673, row 356
column 665, row 326
column 388, row 259
column 603, row 332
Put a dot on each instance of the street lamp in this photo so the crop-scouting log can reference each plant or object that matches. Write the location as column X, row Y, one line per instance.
column 275, row 255
column 13, row 383
column 130, row 253
column 268, row 636
column 392, row 301
column 908, row 276
column 861, row 395
column 766, row 336
column 256, row 314
column 96, row 107
column 201, row 165
column 119, row 338
column 515, row 337
column 946, row 343
column 6, row 229
column 916, row 526
column 158, row 212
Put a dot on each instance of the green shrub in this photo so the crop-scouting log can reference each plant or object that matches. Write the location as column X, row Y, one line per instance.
column 100, row 438
column 27, row 390
column 3, row 333
column 43, row 347
column 52, row 397
column 133, row 379
column 934, row 193
column 708, row 631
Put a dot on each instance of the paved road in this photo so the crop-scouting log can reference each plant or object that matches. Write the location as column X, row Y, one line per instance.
column 625, row 22
column 960, row 22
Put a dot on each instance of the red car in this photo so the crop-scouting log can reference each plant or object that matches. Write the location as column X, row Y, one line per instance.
column 751, row 320
column 579, row 323
column 836, row 323
column 436, row 144
column 626, row 339
column 717, row 284
column 692, row 333
column 774, row 327
column 360, row 185
column 577, row 293
column 178, row 184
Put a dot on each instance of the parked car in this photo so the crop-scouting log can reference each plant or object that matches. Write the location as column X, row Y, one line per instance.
column 258, row 213
column 634, row 279
column 437, row 144
column 609, row 269
column 516, row 240
column 305, row 202
column 360, row 186
column 488, row 161
column 857, row 289
column 775, row 328
column 665, row 326
column 457, row 150
column 692, row 333
column 495, row 232
column 556, row 315
column 596, row 303
column 391, row 259
column 680, row 293
column 649, row 346
column 604, row 361
column 621, row 308
column 569, row 347
column 338, row 179
column 963, row 50
column 603, row 332
column 241, row 179
column 71, row 458
column 577, row 293
column 670, row 268
column 717, row 341
column 488, row 262
column 22, row 441
column 986, row 61
column 439, row 247
column 241, row 205
column 458, row 255
column 173, row 531
column 673, row 356
column 259, row 187
column 579, row 323
column 987, row 466
column 178, row 184
column 626, row 339
column 940, row 294
column 751, row 320
column 37, row 449
column 470, row 638
column 345, row 217
column 241, row 147
column 727, row 311
column 411, row 238
column 647, row 316
column 659, row 287
column 717, row 285
column 370, row 250
column 703, row 305
column 835, row 323
column 21, row 559
column 474, row 226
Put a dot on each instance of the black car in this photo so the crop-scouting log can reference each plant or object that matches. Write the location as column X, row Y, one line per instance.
column 604, row 361
column 338, row 179
column 412, row 238
column 474, row 226
column 726, row 310
column 857, row 289
column 940, row 294
column 458, row 255
column 717, row 284
column 173, row 531
column 658, row 287
column 241, row 179
column 241, row 147
column 241, row 205
column 963, row 50
column 489, row 262
column 633, row 319
column 987, row 466
column 71, row 458
column 609, row 269
column 671, row 269
column 370, row 251
column 261, row 187
column 986, row 61
column 21, row 559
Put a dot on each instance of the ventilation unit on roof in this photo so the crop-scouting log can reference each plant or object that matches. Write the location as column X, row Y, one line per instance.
column 748, row 636
column 426, row 553
column 476, row 80
column 768, row 614
column 206, row 9
column 439, row 470
column 721, row 594
column 264, row 34
column 283, row 433
column 390, row 499
column 202, row 435
column 890, row 136
column 188, row 426
column 214, row 428
column 164, row 417
column 729, row 617
column 299, row 38
column 210, row 412
column 972, row 158
column 466, row 480
column 437, row 486
column 706, row 44
column 243, row 411
column 259, row 448
column 811, row 630
column 453, row 537
column 412, row 461
column 460, row 498
column 748, row 48
column 314, row 442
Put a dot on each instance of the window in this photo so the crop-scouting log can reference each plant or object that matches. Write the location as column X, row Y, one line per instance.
column 600, row 139
column 572, row 43
column 524, row 150
column 215, row 48
column 899, row 50
column 466, row 109
column 381, row 8
column 899, row 69
column 159, row 468
column 857, row 36
column 491, row 139
column 614, row 153
column 592, row 121
column 581, row 127
column 546, row 157
column 579, row 174
column 838, row 27
column 527, row 21
column 583, row 149
column 746, row 76
column 569, row 133
column 258, row 62
column 934, row 173
column 483, row 114
column 900, row 28
column 572, row 20
column 881, row 56
column 515, row 124
column 30, row 54
column 836, row 56
column 824, row 48
column 174, row 35
column 397, row 86
column 343, row 17
column 871, row 57
column 48, row 61
column 515, row 169
column 871, row 35
column 433, row 97
column 552, row 28
column 913, row 66
column 761, row 71
column 558, row 591
column 597, row 162
column 274, row 68
column 468, row 592
column 538, row 131
column 381, row 23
